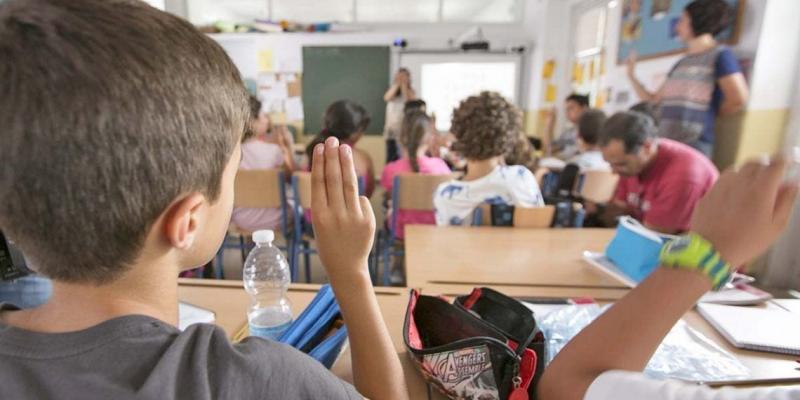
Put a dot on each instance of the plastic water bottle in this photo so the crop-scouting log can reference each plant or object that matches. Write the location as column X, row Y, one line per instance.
column 266, row 278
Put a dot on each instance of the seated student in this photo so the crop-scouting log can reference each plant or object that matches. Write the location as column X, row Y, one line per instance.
column 347, row 121
column 589, row 157
column 603, row 361
column 128, row 140
column 415, row 105
column 414, row 136
column 565, row 145
column 485, row 126
column 259, row 154
column 661, row 180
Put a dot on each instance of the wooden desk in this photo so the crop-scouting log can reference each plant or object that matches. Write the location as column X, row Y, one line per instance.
column 229, row 301
column 536, row 261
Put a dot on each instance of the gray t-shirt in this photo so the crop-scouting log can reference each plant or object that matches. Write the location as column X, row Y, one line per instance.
column 141, row 357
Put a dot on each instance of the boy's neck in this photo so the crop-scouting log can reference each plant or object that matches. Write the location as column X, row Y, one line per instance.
column 143, row 290
column 477, row 169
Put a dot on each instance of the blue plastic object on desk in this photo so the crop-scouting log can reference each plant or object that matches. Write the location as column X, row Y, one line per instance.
column 635, row 249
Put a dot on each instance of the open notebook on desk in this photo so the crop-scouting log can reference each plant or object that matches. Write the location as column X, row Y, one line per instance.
column 772, row 330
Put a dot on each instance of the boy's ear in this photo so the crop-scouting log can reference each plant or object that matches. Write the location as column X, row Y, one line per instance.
column 182, row 220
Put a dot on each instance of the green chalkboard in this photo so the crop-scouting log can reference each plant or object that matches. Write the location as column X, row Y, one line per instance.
column 357, row 73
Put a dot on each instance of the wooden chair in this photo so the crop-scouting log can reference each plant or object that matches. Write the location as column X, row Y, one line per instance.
column 598, row 186
column 263, row 188
column 303, row 236
column 524, row 217
column 410, row 192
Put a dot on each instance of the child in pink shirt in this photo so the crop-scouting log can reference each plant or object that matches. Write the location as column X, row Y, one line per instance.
column 416, row 132
column 258, row 153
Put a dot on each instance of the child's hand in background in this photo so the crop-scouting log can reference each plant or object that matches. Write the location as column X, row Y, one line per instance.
column 343, row 221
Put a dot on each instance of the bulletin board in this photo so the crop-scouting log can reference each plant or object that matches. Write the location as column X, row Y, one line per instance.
column 648, row 27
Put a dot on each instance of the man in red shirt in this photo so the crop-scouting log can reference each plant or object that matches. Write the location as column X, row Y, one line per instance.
column 662, row 180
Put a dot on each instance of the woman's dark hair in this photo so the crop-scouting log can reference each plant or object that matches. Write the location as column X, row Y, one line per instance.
column 416, row 124
column 343, row 119
column 580, row 99
column 709, row 16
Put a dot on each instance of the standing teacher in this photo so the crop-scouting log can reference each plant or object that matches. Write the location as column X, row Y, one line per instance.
column 396, row 97
column 707, row 82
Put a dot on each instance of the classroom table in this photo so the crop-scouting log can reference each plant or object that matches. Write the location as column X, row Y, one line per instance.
column 537, row 262
column 229, row 302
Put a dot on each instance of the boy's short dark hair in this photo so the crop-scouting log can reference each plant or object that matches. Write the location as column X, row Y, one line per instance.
column 414, row 105
column 485, row 126
column 580, row 99
column 709, row 16
column 110, row 110
column 589, row 125
column 630, row 127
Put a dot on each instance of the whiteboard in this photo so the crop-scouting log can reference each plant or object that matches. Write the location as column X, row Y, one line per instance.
column 444, row 79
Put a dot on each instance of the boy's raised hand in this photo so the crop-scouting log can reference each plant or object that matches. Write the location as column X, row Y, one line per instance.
column 746, row 209
column 343, row 221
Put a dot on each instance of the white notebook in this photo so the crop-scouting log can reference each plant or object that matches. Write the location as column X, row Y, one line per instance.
column 752, row 328
column 189, row 314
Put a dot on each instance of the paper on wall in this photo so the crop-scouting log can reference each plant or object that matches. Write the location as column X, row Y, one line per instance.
column 265, row 60
column 294, row 109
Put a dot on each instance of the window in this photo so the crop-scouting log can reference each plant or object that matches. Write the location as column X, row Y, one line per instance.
column 589, row 53
column 397, row 11
column 492, row 11
column 307, row 11
column 204, row 12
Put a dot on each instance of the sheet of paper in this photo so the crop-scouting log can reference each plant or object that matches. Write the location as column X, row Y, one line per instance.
column 276, row 92
column 294, row 109
column 265, row 60
column 551, row 93
column 549, row 69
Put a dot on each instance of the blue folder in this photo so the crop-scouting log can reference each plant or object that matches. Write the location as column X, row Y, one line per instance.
column 316, row 331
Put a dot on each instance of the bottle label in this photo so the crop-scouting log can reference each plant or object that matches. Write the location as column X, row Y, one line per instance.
column 269, row 332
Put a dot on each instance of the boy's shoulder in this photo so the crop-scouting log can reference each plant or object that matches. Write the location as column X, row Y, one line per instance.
column 141, row 355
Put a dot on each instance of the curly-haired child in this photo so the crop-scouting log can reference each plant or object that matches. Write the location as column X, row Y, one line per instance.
column 485, row 126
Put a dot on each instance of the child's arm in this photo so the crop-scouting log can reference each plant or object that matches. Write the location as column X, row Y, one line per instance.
column 741, row 216
column 344, row 225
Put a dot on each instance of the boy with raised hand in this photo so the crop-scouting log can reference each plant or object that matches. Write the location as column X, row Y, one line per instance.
column 120, row 140
column 730, row 226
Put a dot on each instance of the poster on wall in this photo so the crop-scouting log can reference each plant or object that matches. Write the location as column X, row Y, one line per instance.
column 648, row 27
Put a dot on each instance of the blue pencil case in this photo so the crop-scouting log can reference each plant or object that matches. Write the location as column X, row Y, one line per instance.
column 319, row 331
column 634, row 249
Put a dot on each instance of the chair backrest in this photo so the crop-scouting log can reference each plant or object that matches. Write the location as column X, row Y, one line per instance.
column 258, row 188
column 533, row 217
column 524, row 217
column 302, row 181
column 415, row 191
column 599, row 186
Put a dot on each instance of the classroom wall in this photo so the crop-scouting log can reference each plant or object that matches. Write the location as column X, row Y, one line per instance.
column 773, row 83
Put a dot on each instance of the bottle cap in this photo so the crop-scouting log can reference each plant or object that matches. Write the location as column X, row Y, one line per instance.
column 265, row 236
